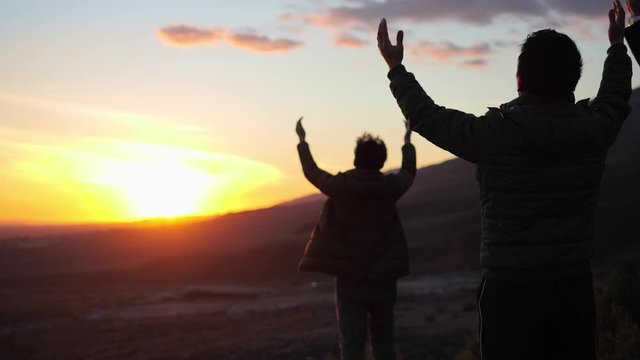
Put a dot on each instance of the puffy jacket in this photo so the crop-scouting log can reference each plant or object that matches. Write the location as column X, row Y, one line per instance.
column 359, row 235
column 632, row 34
column 539, row 163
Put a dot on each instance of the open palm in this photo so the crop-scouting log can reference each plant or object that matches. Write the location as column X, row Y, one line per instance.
column 392, row 54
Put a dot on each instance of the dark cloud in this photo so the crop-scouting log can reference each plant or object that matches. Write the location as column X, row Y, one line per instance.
column 506, row 44
column 466, row 11
column 475, row 63
column 588, row 8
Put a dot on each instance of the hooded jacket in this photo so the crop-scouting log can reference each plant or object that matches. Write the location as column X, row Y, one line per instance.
column 539, row 162
column 359, row 235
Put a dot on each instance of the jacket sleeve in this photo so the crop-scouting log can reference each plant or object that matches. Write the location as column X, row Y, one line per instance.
column 611, row 105
column 316, row 176
column 632, row 34
column 464, row 135
column 403, row 179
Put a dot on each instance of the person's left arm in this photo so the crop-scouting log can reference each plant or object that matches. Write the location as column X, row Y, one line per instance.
column 611, row 105
column 404, row 178
column 632, row 32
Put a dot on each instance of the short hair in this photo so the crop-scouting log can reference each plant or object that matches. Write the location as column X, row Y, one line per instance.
column 371, row 153
column 549, row 64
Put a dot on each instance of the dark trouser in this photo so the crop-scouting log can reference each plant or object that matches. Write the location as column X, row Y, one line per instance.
column 547, row 319
column 357, row 302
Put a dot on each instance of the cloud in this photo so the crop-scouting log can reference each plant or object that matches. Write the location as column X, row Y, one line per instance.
column 261, row 43
column 348, row 40
column 475, row 63
column 446, row 50
column 506, row 44
column 189, row 35
column 91, row 115
column 479, row 12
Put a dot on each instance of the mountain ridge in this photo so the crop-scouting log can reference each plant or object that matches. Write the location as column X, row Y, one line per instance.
column 440, row 214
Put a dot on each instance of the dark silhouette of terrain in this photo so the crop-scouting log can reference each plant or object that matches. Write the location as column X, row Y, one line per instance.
column 440, row 214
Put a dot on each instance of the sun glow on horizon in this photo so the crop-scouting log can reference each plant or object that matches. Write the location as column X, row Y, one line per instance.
column 106, row 180
column 163, row 181
column 163, row 189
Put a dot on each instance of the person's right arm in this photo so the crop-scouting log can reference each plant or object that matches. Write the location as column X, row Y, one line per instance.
column 465, row 135
column 316, row 176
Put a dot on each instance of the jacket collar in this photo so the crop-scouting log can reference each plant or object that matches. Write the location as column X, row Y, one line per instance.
column 366, row 172
column 530, row 99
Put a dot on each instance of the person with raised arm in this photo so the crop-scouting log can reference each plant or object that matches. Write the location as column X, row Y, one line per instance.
column 360, row 240
column 539, row 160
column 632, row 32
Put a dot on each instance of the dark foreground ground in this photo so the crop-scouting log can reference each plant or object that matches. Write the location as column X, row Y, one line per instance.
column 201, row 321
column 436, row 316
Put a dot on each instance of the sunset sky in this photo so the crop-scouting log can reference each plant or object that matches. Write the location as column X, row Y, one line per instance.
column 121, row 110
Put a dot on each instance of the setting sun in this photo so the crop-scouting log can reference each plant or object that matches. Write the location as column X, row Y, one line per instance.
column 163, row 188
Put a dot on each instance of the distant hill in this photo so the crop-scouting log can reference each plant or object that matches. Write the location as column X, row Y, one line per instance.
column 440, row 213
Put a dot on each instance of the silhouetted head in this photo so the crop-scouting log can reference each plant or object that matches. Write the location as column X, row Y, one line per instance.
column 371, row 153
column 549, row 64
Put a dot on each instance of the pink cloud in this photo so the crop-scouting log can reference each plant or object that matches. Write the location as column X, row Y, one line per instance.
column 261, row 43
column 347, row 40
column 445, row 50
column 188, row 35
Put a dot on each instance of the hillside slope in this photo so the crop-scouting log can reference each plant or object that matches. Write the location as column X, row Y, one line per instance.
column 440, row 213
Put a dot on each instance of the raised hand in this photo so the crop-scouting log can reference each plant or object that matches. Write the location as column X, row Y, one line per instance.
column 300, row 130
column 633, row 6
column 392, row 54
column 616, row 23
column 407, row 133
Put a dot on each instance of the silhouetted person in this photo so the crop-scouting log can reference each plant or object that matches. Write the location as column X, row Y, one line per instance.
column 539, row 163
column 360, row 240
column 632, row 32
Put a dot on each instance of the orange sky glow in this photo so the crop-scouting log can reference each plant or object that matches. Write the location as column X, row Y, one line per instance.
column 121, row 111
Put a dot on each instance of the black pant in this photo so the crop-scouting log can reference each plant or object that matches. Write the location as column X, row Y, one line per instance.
column 547, row 319
column 355, row 303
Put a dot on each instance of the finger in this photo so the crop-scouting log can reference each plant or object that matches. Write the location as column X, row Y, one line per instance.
column 399, row 38
column 380, row 30
column 619, row 13
column 612, row 16
column 618, row 7
column 383, row 33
